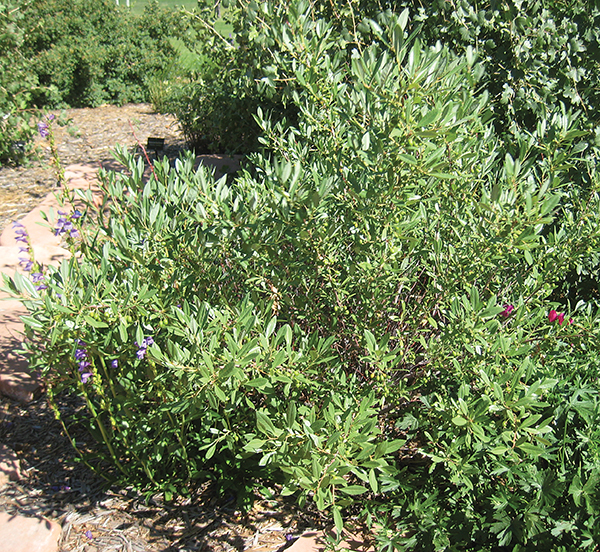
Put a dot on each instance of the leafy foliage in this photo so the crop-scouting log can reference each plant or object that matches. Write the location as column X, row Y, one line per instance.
column 17, row 84
column 88, row 54
column 370, row 314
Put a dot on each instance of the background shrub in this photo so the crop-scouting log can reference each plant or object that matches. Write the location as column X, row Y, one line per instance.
column 17, row 85
column 88, row 54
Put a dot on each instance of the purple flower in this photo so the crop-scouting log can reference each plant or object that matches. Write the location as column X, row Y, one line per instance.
column 41, row 287
column 114, row 363
column 43, row 129
column 80, row 354
column 85, row 377
column 63, row 225
column 27, row 264
column 289, row 537
column 507, row 310
column 21, row 233
column 89, row 535
column 84, row 365
column 50, row 117
column 37, row 277
column 143, row 346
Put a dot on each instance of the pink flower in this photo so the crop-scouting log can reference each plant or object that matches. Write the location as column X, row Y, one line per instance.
column 552, row 315
column 507, row 310
column 561, row 318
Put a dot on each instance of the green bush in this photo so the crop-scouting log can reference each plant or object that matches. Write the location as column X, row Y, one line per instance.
column 367, row 315
column 57, row 53
column 90, row 54
column 17, row 85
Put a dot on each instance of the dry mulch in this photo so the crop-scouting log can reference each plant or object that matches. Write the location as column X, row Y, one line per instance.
column 66, row 491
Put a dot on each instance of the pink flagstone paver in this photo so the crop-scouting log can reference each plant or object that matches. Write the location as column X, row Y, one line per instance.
column 28, row 534
column 314, row 541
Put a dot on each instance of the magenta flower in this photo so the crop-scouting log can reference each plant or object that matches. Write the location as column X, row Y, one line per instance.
column 507, row 310
column 561, row 318
column 552, row 316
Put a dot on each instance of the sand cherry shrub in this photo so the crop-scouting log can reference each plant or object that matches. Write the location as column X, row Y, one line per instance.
column 366, row 316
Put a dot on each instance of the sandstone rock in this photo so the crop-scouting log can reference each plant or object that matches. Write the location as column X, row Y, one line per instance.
column 28, row 534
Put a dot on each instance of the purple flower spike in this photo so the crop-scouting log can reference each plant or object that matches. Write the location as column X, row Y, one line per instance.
column 143, row 346
column 43, row 129
column 27, row 265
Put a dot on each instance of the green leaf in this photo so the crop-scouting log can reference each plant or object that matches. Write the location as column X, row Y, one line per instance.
column 373, row 481
column 354, row 490
column 265, row 425
column 338, row 521
column 428, row 118
column 532, row 449
column 459, row 421
column 94, row 323
column 259, row 383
